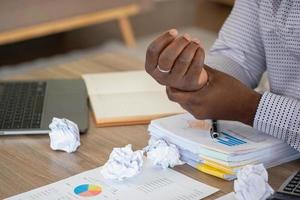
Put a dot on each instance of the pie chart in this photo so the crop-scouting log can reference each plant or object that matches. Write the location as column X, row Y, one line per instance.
column 87, row 190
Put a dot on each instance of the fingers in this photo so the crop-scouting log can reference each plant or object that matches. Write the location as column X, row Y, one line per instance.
column 156, row 47
column 180, row 61
column 197, row 63
column 172, row 51
column 196, row 68
column 177, row 95
column 184, row 60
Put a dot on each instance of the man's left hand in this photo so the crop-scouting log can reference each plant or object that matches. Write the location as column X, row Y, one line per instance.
column 223, row 97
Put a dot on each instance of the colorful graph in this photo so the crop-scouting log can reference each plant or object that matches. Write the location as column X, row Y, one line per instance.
column 229, row 140
column 87, row 190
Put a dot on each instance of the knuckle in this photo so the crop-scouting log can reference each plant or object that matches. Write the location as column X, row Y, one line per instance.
column 162, row 81
column 201, row 50
column 198, row 63
column 159, row 78
column 147, row 69
column 152, row 49
column 165, row 63
column 195, row 45
column 166, row 58
column 183, row 39
column 183, row 60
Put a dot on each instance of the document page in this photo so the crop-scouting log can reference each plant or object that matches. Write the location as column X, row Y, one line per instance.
column 152, row 183
column 229, row 196
column 236, row 138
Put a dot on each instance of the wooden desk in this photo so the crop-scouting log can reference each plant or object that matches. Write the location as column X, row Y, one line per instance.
column 27, row 162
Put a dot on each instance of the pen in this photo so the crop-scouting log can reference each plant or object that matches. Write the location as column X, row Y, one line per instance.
column 214, row 133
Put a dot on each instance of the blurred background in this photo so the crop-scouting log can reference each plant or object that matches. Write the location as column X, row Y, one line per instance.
column 41, row 33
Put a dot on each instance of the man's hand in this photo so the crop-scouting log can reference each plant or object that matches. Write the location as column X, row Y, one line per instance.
column 178, row 63
column 223, row 97
column 180, row 57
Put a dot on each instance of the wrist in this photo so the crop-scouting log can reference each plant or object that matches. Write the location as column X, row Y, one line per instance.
column 251, row 107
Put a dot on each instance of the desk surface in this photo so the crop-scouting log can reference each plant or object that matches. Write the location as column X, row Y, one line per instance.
column 27, row 162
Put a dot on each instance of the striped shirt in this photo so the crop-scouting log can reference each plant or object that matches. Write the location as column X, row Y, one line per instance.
column 259, row 36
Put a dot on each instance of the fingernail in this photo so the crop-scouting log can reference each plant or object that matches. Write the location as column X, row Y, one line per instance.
column 196, row 40
column 187, row 36
column 173, row 32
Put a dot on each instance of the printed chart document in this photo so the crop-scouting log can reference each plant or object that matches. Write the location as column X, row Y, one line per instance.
column 151, row 183
column 124, row 98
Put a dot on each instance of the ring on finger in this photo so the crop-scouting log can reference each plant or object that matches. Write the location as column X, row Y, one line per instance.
column 162, row 70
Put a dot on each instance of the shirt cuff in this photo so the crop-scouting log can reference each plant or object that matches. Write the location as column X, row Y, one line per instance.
column 230, row 67
column 279, row 116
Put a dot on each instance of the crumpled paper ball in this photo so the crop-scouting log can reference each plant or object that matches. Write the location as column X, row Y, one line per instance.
column 123, row 163
column 162, row 153
column 252, row 183
column 64, row 135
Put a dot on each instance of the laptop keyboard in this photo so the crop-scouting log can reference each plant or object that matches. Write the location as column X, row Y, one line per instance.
column 21, row 104
column 293, row 186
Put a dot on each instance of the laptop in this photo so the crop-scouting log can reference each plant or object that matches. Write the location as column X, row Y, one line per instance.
column 27, row 107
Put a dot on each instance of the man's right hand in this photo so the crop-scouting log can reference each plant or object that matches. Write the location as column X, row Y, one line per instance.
column 176, row 61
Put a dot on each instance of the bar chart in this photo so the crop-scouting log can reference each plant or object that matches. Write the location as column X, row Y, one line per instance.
column 229, row 140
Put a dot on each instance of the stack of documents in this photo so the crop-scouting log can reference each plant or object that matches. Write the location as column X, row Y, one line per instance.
column 238, row 145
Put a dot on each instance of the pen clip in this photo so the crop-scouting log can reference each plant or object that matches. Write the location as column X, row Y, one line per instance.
column 214, row 130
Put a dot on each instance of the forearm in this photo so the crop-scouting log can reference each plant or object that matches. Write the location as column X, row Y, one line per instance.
column 279, row 116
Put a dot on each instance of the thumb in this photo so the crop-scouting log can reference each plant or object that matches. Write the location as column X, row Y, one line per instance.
column 203, row 78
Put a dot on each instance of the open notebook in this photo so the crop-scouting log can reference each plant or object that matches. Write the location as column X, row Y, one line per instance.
column 125, row 98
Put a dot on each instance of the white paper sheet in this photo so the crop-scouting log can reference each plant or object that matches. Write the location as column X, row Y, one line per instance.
column 229, row 196
column 238, row 142
column 152, row 183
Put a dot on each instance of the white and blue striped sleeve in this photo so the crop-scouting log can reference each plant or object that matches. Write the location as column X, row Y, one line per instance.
column 239, row 51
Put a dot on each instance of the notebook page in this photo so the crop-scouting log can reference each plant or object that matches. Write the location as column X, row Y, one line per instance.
column 120, row 82
column 134, row 104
